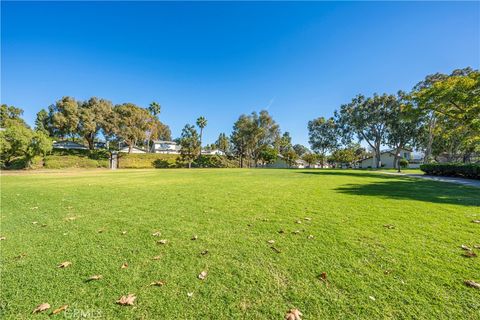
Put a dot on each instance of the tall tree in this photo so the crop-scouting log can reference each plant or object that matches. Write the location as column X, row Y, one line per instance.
column 404, row 127
column 93, row 116
column 323, row 136
column 201, row 123
column 190, row 144
column 300, row 149
column 367, row 118
column 131, row 123
column 42, row 122
column 240, row 138
column 10, row 113
column 223, row 143
column 154, row 109
column 65, row 117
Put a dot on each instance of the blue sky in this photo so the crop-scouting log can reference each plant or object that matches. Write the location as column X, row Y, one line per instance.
column 219, row 60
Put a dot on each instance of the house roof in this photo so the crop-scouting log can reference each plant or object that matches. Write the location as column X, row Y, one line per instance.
column 164, row 141
column 68, row 144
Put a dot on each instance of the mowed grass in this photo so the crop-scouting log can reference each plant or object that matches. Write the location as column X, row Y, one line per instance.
column 415, row 270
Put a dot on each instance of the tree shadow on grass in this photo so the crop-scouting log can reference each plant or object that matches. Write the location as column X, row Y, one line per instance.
column 405, row 188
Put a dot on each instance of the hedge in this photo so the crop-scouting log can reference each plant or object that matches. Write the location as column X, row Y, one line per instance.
column 158, row 160
column 74, row 161
column 471, row 170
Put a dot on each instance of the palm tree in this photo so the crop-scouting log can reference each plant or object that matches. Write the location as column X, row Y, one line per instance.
column 154, row 110
column 201, row 123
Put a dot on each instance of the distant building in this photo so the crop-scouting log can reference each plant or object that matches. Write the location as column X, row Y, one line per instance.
column 387, row 159
column 68, row 145
column 166, row 147
column 213, row 152
column 134, row 150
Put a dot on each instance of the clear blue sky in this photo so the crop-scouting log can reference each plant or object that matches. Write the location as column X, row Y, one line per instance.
column 298, row 60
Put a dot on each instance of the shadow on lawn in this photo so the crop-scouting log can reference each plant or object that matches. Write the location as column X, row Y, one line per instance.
column 401, row 188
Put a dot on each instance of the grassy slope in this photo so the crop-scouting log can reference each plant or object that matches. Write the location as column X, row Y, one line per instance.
column 247, row 279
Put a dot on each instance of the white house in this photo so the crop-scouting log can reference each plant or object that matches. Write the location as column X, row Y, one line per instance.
column 68, row 145
column 134, row 150
column 213, row 152
column 387, row 159
column 166, row 147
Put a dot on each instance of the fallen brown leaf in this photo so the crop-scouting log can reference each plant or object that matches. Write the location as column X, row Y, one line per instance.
column 299, row 221
column 157, row 234
column 281, row 231
column 190, row 294
column 94, row 278
column 271, row 241
column 296, row 232
column 124, row 266
column 158, row 283
column 157, row 257
column 124, row 233
column 275, row 249
column 195, row 237
column 472, row 284
column 3, row 238
column 470, row 254
column 163, row 241
column 464, row 247
column 476, row 246
column 389, row 226
column 34, row 222
column 101, row 230
column 310, row 236
column 127, row 300
column 475, row 221
column 204, row 252
column 33, row 208
column 308, row 219
column 65, row 264
column 202, row 275
column 21, row 255
column 41, row 307
column 62, row 308
column 323, row 277
column 293, row 314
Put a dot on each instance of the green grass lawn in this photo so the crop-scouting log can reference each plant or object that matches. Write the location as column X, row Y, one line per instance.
column 415, row 269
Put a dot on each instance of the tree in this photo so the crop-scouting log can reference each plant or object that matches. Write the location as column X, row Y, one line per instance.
column 65, row 117
column 268, row 155
column 154, row 109
column 404, row 127
column 290, row 157
column 201, row 123
column 240, row 138
column 451, row 100
column 311, row 158
column 300, row 149
column 223, row 143
column 323, row 136
column 131, row 123
column 42, row 122
column 93, row 116
column 17, row 140
column 10, row 113
column 367, row 118
column 190, row 144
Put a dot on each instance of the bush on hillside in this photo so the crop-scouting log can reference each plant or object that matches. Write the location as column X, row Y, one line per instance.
column 72, row 161
column 471, row 170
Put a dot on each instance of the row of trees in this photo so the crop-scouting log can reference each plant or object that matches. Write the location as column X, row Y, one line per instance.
column 129, row 123
column 440, row 116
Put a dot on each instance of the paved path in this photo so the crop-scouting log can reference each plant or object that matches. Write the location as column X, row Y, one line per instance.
column 465, row 182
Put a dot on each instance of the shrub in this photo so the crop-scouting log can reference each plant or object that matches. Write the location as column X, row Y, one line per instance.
column 74, row 161
column 452, row 169
column 403, row 163
column 146, row 160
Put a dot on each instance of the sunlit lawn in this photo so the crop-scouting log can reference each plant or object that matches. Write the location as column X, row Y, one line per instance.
column 390, row 246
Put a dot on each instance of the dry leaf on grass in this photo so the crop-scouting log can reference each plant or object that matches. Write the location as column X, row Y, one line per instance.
column 41, row 307
column 34, row 222
column 470, row 254
column 124, row 233
column 323, row 277
column 204, row 252
column 372, row 298
column 271, row 241
column 310, row 236
column 195, row 237
column 308, row 219
column 157, row 234
column 293, row 314
column 33, row 208
column 464, row 247
column 65, row 264
column 472, row 284
column 62, row 308
column 202, row 275
column 163, row 241
column 127, row 300
column 70, row 218
column 101, row 230
column 389, row 226
column 21, row 255
column 475, row 221
column 124, row 266
column 275, row 249
column 94, row 278
column 158, row 283
column 299, row 221
column 281, row 231
column 476, row 246
column 296, row 232
column 157, row 258
column 190, row 294
column 3, row 238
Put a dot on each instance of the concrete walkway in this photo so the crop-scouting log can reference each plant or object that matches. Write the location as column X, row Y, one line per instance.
column 462, row 181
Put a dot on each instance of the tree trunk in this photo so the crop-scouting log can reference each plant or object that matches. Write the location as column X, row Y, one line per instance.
column 201, row 133
column 428, row 150
column 90, row 141
column 130, row 148
column 189, row 164
column 377, row 155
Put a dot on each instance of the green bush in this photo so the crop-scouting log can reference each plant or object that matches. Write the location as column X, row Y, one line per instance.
column 403, row 163
column 147, row 160
column 452, row 169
